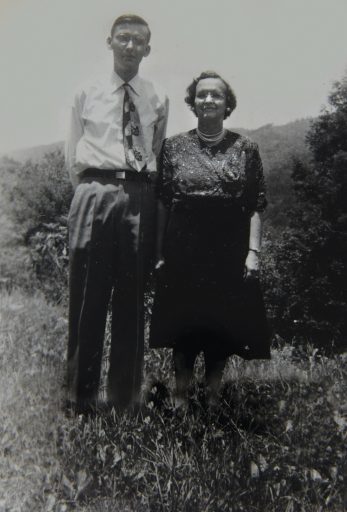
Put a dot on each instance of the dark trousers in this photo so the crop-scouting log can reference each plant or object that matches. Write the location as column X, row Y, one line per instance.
column 110, row 223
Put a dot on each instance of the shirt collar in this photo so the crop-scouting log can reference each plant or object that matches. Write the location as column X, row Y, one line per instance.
column 117, row 82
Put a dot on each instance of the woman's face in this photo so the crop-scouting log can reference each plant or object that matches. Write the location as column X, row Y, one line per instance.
column 210, row 99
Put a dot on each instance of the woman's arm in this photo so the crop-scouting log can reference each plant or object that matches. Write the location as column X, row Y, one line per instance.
column 162, row 218
column 259, row 205
column 255, row 235
column 164, row 198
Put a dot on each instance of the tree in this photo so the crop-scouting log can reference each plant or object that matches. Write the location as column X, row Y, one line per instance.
column 39, row 199
column 310, row 256
column 41, row 193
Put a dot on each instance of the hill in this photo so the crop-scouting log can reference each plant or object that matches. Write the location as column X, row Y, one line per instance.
column 276, row 143
column 34, row 154
column 278, row 146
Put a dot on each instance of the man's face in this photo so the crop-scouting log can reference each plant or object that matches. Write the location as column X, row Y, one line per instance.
column 129, row 44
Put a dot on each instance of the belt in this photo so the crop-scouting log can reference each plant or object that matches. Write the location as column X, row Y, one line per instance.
column 93, row 172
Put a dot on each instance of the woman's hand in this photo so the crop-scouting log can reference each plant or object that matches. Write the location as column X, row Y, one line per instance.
column 162, row 217
column 252, row 265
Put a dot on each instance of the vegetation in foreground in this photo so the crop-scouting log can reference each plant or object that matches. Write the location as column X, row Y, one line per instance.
column 276, row 442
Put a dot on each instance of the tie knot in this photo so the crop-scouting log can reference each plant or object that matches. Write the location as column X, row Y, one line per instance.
column 128, row 91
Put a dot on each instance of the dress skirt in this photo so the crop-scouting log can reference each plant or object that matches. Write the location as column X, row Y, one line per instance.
column 201, row 288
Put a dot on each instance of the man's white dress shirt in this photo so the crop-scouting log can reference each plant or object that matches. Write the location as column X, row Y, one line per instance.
column 95, row 137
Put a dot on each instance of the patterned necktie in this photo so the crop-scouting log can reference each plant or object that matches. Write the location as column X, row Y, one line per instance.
column 134, row 147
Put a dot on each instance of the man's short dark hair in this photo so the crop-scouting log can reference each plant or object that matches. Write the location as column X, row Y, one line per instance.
column 191, row 92
column 130, row 18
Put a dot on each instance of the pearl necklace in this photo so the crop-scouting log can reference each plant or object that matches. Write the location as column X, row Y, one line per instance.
column 213, row 139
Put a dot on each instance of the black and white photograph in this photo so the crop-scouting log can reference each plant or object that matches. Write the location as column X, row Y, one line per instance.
column 173, row 256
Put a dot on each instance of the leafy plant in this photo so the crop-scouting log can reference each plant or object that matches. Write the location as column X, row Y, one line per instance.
column 309, row 300
column 39, row 197
column 41, row 192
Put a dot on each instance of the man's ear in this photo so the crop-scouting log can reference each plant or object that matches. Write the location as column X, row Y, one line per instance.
column 148, row 51
column 108, row 42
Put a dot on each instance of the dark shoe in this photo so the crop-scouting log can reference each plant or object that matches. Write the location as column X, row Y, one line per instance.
column 72, row 408
column 157, row 395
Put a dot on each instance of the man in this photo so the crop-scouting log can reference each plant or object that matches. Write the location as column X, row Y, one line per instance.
column 117, row 128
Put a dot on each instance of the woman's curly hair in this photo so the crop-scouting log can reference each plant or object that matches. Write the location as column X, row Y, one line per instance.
column 191, row 92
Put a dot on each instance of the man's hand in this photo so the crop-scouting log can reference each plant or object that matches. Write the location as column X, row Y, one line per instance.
column 159, row 264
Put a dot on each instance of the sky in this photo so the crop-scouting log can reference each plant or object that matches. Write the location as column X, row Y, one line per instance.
column 280, row 56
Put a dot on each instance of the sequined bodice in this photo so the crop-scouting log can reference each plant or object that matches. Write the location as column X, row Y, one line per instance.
column 230, row 171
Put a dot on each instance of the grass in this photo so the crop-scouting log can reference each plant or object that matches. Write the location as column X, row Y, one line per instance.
column 31, row 345
column 275, row 443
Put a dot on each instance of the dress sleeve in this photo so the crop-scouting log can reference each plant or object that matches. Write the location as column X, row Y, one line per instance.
column 259, row 193
column 164, row 185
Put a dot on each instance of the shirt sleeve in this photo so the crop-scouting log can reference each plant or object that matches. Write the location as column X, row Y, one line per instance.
column 74, row 134
column 160, row 128
column 164, row 184
column 260, row 201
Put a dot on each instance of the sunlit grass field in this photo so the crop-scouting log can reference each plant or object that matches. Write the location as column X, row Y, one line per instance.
column 275, row 442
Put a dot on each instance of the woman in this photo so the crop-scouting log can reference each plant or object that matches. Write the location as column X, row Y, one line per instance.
column 210, row 199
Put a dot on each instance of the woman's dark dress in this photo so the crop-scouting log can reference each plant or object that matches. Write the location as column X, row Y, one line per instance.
column 211, row 193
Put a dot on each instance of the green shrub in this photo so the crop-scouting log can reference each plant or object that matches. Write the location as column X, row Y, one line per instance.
column 49, row 255
column 309, row 298
column 41, row 193
column 39, row 197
